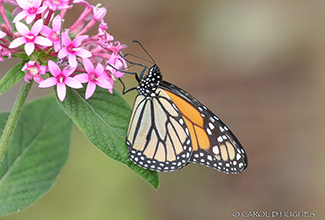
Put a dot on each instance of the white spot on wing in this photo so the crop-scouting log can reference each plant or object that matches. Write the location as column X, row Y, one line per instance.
column 215, row 150
column 186, row 130
column 181, row 121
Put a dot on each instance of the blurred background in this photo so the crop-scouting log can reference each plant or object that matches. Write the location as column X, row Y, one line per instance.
column 259, row 65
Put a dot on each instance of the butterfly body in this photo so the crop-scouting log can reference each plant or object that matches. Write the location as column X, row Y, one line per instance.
column 169, row 128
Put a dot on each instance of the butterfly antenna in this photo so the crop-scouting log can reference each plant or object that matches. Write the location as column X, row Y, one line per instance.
column 140, row 58
column 123, row 71
column 135, row 41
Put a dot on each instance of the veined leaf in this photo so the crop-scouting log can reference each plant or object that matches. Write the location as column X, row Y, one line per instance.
column 104, row 120
column 36, row 153
column 12, row 77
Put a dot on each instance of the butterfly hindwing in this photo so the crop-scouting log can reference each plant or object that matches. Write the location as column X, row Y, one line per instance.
column 169, row 128
column 214, row 145
column 157, row 137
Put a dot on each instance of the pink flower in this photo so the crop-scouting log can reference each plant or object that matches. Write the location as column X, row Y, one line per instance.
column 99, row 13
column 4, row 52
column 115, row 63
column 93, row 77
column 29, row 37
column 102, row 33
column 34, row 71
column 60, row 79
column 115, row 49
column 30, row 9
column 57, row 4
column 54, row 33
column 72, row 48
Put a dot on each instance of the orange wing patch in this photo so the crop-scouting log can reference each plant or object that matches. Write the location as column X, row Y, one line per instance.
column 202, row 137
column 186, row 109
column 194, row 122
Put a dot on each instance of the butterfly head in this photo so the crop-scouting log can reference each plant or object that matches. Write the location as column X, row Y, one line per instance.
column 150, row 82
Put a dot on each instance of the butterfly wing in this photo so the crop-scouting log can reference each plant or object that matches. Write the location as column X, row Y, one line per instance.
column 214, row 145
column 158, row 138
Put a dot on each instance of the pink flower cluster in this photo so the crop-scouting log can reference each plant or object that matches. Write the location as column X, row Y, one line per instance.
column 70, row 56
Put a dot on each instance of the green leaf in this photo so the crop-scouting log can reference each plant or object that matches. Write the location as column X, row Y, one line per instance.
column 37, row 152
column 22, row 56
column 12, row 77
column 104, row 120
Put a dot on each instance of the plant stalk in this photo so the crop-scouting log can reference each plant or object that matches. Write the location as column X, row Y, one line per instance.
column 13, row 118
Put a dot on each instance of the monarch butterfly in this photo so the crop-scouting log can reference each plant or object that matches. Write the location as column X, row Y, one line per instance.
column 169, row 129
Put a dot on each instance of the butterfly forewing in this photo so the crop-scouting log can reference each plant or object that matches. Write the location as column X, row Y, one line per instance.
column 157, row 137
column 214, row 145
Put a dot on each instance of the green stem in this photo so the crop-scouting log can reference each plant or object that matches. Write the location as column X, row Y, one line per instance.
column 13, row 118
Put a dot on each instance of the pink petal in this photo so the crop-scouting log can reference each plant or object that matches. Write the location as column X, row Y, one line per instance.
column 22, row 29
column 37, row 3
column 29, row 48
column 66, row 39
column 78, row 40
column 83, row 53
column 83, row 78
column 56, row 24
column 103, row 76
column 54, row 68
column 20, row 16
column 118, row 74
column 99, row 69
column 30, row 18
column 73, row 83
column 43, row 41
column 57, row 45
column 100, row 13
column 23, row 4
column 69, row 71
column 28, row 77
column 72, row 60
column 42, row 69
column 105, row 84
column 41, row 9
column 38, row 79
column 111, row 81
column 49, row 82
column 89, row 67
column 46, row 31
column 63, row 53
column 61, row 91
column 37, row 27
column 91, row 87
column 2, row 34
column 17, row 42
